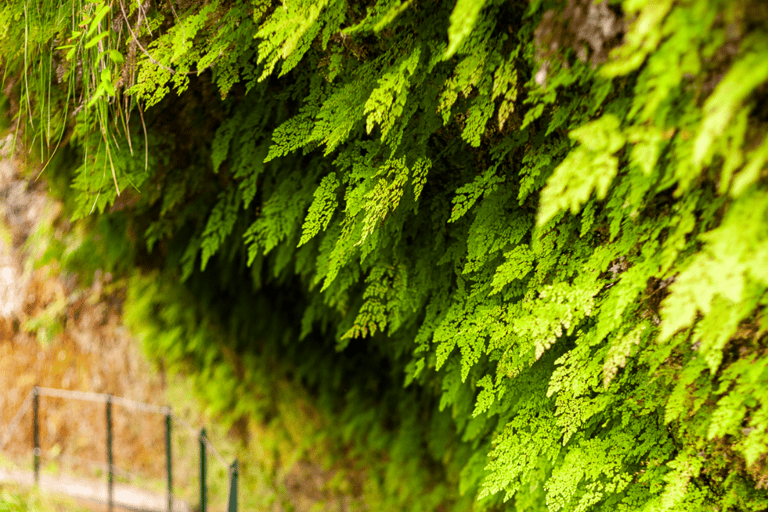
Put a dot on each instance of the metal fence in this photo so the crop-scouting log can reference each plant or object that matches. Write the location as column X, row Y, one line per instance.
column 33, row 400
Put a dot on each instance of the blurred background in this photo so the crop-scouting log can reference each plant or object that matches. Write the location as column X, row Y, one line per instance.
column 60, row 332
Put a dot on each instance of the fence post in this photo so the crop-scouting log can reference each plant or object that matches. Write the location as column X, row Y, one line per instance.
column 110, row 482
column 168, row 458
column 36, row 432
column 232, row 507
column 203, row 490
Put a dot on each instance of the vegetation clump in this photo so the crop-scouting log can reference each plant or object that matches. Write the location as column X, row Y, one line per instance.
column 518, row 250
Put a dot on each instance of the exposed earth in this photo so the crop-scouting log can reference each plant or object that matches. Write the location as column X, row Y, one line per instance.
column 59, row 332
column 56, row 332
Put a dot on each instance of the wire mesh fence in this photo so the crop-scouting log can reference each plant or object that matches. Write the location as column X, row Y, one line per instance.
column 217, row 490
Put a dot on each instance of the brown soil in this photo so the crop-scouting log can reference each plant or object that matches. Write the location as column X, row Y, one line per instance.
column 56, row 333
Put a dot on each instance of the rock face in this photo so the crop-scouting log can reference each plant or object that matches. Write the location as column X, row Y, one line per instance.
column 15, row 213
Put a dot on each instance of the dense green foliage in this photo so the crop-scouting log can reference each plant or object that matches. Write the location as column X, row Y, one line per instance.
column 517, row 250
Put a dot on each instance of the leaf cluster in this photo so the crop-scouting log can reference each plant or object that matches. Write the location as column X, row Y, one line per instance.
column 562, row 256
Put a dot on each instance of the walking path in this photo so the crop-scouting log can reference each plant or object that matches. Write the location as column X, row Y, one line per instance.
column 125, row 496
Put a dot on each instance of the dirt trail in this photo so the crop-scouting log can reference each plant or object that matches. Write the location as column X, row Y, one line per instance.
column 94, row 494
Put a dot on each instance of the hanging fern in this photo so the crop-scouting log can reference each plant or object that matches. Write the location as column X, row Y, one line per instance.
column 548, row 219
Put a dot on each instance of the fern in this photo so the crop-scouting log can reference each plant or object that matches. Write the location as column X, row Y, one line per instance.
column 547, row 219
column 322, row 208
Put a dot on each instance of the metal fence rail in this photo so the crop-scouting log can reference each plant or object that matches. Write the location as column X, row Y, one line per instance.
column 33, row 399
